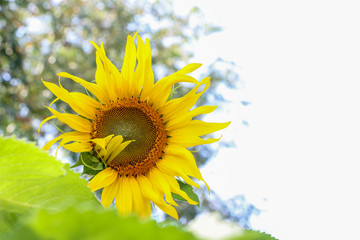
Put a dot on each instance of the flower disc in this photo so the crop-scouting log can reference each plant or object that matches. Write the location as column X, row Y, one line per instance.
column 134, row 120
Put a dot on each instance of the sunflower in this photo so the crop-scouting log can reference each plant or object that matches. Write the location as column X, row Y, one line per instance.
column 138, row 133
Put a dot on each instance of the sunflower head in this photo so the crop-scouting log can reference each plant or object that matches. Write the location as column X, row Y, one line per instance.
column 136, row 134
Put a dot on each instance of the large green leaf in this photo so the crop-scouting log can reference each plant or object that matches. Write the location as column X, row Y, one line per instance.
column 31, row 179
column 252, row 235
column 88, row 224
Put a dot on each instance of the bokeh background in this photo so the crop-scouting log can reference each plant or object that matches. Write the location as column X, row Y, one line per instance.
column 286, row 73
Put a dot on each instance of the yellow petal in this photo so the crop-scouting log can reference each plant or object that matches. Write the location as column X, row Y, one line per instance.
column 74, row 121
column 168, row 209
column 139, row 74
column 138, row 200
column 80, row 103
column 161, row 184
column 77, row 147
column 184, row 119
column 128, row 66
column 71, row 136
column 45, row 120
column 94, row 44
column 147, row 208
column 199, row 128
column 187, row 161
column 148, row 192
column 191, row 141
column 148, row 73
column 92, row 87
column 175, row 188
column 115, row 147
column 102, row 75
column 103, row 179
column 189, row 68
column 102, row 142
column 123, row 199
column 180, row 106
column 55, row 100
column 84, row 105
column 115, row 78
column 161, row 90
column 114, row 142
column 112, row 85
column 109, row 192
column 171, row 166
column 147, row 189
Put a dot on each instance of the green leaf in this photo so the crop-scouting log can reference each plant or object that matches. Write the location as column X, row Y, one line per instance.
column 97, row 224
column 78, row 163
column 252, row 235
column 7, row 220
column 31, row 179
column 188, row 189
column 90, row 171
column 75, row 223
column 92, row 165
column 90, row 162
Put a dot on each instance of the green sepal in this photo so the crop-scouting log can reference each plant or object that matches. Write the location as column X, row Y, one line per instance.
column 92, row 165
column 188, row 189
column 90, row 171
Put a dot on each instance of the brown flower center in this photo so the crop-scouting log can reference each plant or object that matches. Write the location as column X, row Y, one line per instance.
column 134, row 120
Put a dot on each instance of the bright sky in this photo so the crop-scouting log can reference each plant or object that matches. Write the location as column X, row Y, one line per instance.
column 300, row 62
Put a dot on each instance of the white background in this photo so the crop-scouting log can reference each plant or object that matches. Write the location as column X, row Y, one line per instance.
column 300, row 61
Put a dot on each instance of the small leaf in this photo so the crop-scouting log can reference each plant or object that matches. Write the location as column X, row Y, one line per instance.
column 78, row 163
column 92, row 165
column 90, row 171
column 88, row 159
column 188, row 189
column 178, row 197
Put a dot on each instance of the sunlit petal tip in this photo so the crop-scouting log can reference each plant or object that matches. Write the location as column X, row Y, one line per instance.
column 206, row 185
column 94, row 44
column 45, row 120
column 57, row 149
column 62, row 74
column 55, row 100
column 168, row 209
column 102, row 49
column 137, row 35
column 189, row 68
column 60, row 82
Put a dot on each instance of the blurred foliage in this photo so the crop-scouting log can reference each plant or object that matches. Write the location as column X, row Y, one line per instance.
column 39, row 203
column 38, row 39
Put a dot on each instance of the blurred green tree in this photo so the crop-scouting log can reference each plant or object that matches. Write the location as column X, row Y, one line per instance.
column 41, row 38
